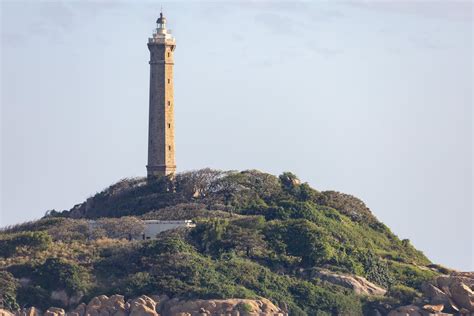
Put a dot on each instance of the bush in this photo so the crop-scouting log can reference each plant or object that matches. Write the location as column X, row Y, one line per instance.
column 406, row 295
column 375, row 270
column 300, row 238
column 410, row 275
column 57, row 273
column 220, row 236
column 32, row 241
column 70, row 230
column 8, row 290
column 34, row 295
column 319, row 301
column 126, row 227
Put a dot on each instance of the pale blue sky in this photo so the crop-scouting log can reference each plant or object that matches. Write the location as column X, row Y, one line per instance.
column 368, row 98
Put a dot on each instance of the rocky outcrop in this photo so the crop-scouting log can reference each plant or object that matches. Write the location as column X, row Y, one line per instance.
column 455, row 292
column 356, row 283
column 102, row 306
column 116, row 305
column 445, row 295
column 143, row 306
column 31, row 311
column 220, row 307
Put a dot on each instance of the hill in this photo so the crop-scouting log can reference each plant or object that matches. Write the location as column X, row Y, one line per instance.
column 256, row 235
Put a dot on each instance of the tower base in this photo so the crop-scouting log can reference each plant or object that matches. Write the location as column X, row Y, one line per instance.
column 160, row 171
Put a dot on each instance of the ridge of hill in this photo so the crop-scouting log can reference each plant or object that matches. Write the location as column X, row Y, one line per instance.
column 256, row 235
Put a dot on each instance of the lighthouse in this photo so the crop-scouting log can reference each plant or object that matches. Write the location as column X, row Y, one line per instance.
column 161, row 148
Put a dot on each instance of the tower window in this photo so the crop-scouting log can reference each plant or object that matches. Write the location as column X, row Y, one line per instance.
column 169, row 147
column 169, row 80
column 169, row 125
column 169, row 103
column 169, row 54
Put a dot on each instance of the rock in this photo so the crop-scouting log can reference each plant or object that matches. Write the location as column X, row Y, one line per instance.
column 143, row 306
column 92, row 309
column 435, row 295
column 433, row 308
column 409, row 310
column 148, row 306
column 356, row 283
column 80, row 310
column 454, row 291
column 160, row 300
column 30, row 311
column 55, row 311
column 61, row 296
column 65, row 299
column 142, row 310
column 463, row 296
column 114, row 303
column 4, row 312
column 262, row 307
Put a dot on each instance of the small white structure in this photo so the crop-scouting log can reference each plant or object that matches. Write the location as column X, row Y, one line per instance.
column 154, row 227
column 151, row 228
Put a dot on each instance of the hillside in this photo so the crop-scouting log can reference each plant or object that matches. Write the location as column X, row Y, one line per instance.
column 256, row 235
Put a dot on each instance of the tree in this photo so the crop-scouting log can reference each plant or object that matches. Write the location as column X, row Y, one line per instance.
column 121, row 228
column 56, row 273
column 31, row 241
column 300, row 238
column 8, row 290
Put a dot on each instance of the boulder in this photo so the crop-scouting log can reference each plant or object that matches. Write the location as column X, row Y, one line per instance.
column 409, row 310
column 148, row 306
column 92, row 309
column 4, row 312
column 80, row 310
column 30, row 311
column 463, row 296
column 262, row 307
column 143, row 306
column 116, row 305
column 160, row 300
column 55, row 311
column 356, row 283
column 454, row 291
column 433, row 308
column 435, row 295
column 142, row 310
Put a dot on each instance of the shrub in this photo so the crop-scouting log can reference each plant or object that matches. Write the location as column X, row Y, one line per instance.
column 8, row 290
column 32, row 241
column 300, row 238
column 126, row 227
column 320, row 301
column 375, row 269
column 406, row 295
column 57, row 273
column 69, row 230
column 410, row 275
column 244, row 307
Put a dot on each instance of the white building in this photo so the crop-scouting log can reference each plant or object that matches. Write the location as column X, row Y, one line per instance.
column 151, row 228
column 154, row 227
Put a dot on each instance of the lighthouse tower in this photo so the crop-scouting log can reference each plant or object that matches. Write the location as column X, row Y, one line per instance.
column 161, row 151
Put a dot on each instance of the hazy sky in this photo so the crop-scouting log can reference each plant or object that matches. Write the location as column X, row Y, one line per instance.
column 368, row 98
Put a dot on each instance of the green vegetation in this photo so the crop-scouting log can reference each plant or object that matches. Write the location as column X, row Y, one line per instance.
column 27, row 241
column 256, row 235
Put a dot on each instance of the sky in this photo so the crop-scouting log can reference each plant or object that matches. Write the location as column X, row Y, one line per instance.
column 368, row 98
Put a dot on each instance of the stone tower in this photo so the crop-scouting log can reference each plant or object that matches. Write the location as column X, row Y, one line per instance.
column 161, row 151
